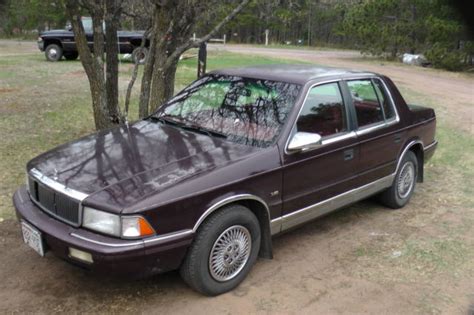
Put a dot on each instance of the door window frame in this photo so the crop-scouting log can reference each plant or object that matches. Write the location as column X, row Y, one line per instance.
column 340, row 136
column 378, row 125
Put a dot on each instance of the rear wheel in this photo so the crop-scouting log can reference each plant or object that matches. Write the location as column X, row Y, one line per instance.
column 53, row 52
column 398, row 195
column 224, row 251
column 71, row 55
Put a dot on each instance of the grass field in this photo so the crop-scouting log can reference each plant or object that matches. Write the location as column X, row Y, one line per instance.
column 420, row 258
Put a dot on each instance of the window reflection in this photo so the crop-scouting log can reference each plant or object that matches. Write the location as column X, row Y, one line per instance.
column 247, row 111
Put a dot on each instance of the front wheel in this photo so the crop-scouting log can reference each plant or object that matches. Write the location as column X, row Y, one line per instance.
column 398, row 195
column 140, row 55
column 225, row 249
column 53, row 52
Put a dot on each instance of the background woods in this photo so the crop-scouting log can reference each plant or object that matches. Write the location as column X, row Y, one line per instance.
column 386, row 28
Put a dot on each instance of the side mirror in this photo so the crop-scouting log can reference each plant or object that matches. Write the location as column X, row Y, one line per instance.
column 303, row 141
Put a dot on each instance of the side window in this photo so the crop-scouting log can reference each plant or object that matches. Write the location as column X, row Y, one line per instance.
column 366, row 102
column 323, row 111
column 383, row 97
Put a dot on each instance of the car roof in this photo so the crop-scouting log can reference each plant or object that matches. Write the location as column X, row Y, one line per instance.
column 299, row 74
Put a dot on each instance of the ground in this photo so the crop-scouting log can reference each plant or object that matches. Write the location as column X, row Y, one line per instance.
column 362, row 259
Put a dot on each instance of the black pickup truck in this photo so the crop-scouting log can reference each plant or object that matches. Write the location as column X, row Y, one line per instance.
column 59, row 43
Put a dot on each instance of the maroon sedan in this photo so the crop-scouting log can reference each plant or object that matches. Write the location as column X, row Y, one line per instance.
column 238, row 156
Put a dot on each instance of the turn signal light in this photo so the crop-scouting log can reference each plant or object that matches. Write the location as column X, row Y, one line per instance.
column 136, row 226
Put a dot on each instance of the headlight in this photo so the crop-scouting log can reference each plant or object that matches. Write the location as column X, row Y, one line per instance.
column 101, row 221
column 40, row 39
column 112, row 224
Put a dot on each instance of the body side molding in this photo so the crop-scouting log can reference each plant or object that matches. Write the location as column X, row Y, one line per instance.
column 326, row 206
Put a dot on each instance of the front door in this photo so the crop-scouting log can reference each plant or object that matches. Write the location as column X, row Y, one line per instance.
column 312, row 177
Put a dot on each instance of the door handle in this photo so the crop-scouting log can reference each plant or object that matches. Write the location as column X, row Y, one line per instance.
column 348, row 154
column 398, row 138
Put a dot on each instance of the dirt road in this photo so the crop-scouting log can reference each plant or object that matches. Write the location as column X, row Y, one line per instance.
column 363, row 259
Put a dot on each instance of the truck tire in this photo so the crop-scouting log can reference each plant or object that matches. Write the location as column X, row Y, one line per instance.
column 223, row 252
column 53, row 52
column 139, row 55
column 398, row 195
column 71, row 55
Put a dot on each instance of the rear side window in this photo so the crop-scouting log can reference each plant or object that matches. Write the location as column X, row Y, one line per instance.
column 366, row 102
column 323, row 111
column 383, row 98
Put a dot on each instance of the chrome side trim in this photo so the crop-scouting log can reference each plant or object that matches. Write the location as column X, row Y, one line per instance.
column 153, row 240
column 45, row 180
column 275, row 226
column 168, row 237
column 344, row 136
column 227, row 201
column 429, row 146
column 377, row 126
column 407, row 147
column 321, row 208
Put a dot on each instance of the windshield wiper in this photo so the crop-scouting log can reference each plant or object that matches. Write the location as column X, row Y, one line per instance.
column 166, row 119
column 203, row 130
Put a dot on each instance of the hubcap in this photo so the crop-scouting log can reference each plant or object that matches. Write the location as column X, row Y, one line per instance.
column 52, row 53
column 230, row 253
column 406, row 180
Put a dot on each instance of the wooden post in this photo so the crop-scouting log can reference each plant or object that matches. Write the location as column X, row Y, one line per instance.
column 267, row 31
column 225, row 36
column 202, row 60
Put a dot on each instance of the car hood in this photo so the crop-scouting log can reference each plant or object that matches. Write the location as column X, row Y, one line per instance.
column 55, row 32
column 123, row 165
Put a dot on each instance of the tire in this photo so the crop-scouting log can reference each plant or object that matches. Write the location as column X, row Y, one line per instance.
column 398, row 195
column 235, row 225
column 140, row 55
column 71, row 55
column 53, row 52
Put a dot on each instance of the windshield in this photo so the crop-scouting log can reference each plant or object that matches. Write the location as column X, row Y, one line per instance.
column 243, row 110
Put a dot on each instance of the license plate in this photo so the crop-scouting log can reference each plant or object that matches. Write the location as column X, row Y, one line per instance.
column 32, row 237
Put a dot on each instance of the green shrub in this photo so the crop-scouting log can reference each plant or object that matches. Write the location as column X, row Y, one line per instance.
column 442, row 57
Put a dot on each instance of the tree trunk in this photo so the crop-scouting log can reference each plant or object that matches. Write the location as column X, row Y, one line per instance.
column 162, row 90
column 112, row 71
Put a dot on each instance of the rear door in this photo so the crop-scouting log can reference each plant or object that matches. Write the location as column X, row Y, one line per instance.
column 310, row 177
column 377, row 129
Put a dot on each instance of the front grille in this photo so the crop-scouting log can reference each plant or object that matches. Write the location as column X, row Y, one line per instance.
column 55, row 203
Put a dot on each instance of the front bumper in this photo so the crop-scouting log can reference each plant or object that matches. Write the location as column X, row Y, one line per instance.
column 40, row 45
column 136, row 258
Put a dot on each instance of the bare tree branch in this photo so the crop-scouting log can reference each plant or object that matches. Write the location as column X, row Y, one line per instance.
column 190, row 43
column 134, row 75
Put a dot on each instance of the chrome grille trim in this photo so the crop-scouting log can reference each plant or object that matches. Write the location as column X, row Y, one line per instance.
column 45, row 180
column 59, row 201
